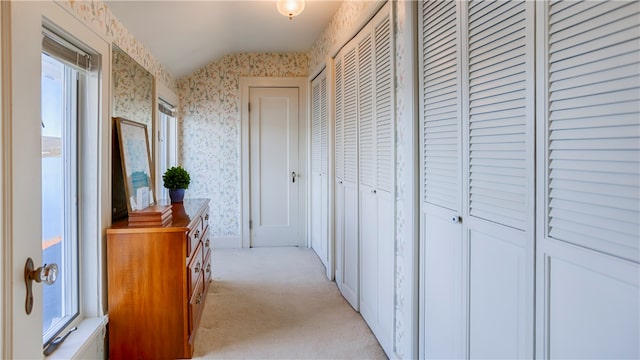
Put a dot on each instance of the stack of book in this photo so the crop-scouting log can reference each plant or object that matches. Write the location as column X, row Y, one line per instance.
column 155, row 215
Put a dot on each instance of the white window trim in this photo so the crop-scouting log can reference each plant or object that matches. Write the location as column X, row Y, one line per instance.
column 94, row 197
column 162, row 91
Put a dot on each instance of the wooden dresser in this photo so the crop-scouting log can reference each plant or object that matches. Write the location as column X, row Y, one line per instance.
column 157, row 281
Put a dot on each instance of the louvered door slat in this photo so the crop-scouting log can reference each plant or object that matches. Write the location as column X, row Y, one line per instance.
column 579, row 33
column 384, row 109
column 561, row 52
column 591, row 60
column 350, row 117
column 579, row 209
column 611, row 190
column 573, row 81
column 441, row 105
column 594, row 133
column 441, row 19
column 339, row 130
column 582, row 111
column 619, row 90
column 579, row 12
column 324, row 141
column 619, row 155
column 366, row 112
column 498, row 17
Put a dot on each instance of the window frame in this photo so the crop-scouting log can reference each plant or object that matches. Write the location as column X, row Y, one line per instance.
column 71, row 122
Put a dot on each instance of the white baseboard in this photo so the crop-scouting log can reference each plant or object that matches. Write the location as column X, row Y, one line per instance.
column 226, row 243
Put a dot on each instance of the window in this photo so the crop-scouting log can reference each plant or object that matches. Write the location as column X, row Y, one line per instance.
column 62, row 97
column 168, row 143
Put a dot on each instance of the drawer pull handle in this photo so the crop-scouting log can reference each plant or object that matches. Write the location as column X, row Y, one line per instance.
column 208, row 268
column 199, row 299
column 197, row 268
column 206, row 217
column 197, row 234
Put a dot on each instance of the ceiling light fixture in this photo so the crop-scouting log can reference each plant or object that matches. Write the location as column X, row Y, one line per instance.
column 290, row 8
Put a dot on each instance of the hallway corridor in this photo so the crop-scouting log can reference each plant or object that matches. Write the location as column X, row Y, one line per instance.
column 276, row 303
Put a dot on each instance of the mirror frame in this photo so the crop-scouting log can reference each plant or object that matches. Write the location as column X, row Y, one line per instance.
column 131, row 140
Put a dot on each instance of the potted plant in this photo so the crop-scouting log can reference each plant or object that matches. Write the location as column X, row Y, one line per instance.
column 177, row 180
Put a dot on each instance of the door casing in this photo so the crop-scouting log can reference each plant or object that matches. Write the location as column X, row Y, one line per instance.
column 303, row 147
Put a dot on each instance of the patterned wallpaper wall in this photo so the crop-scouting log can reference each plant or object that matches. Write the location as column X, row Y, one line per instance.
column 209, row 131
column 338, row 31
column 406, row 247
column 97, row 16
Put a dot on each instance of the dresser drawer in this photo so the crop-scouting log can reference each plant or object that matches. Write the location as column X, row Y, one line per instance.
column 196, row 304
column 208, row 270
column 205, row 220
column 195, row 269
column 206, row 242
column 194, row 237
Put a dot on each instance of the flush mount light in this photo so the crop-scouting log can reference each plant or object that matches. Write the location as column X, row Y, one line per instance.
column 290, row 8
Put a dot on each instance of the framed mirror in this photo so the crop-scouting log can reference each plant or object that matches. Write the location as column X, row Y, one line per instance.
column 132, row 99
column 136, row 169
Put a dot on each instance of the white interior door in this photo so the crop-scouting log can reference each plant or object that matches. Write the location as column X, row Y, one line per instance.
column 22, row 202
column 339, row 200
column 351, row 244
column 274, row 182
column 376, row 176
column 319, row 225
column 477, row 102
column 588, row 253
column 441, row 285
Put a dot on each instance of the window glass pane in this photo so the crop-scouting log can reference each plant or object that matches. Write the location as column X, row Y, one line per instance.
column 59, row 179
column 167, row 148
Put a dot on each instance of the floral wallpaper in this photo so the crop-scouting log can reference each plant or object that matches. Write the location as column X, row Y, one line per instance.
column 98, row 16
column 406, row 247
column 209, row 131
column 132, row 91
column 338, row 31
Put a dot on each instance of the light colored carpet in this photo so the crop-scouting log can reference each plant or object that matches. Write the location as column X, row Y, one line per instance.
column 276, row 303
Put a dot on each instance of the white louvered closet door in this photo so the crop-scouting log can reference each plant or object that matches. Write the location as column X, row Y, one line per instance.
column 384, row 150
column 319, row 186
column 588, row 283
column 368, row 200
column 442, row 323
column 351, row 249
column 498, row 218
column 324, row 174
column 377, row 172
column 339, row 174
column 477, row 212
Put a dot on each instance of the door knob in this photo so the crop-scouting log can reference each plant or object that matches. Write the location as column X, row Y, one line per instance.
column 46, row 274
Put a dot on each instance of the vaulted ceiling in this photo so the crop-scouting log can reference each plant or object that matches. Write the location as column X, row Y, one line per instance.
column 186, row 35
